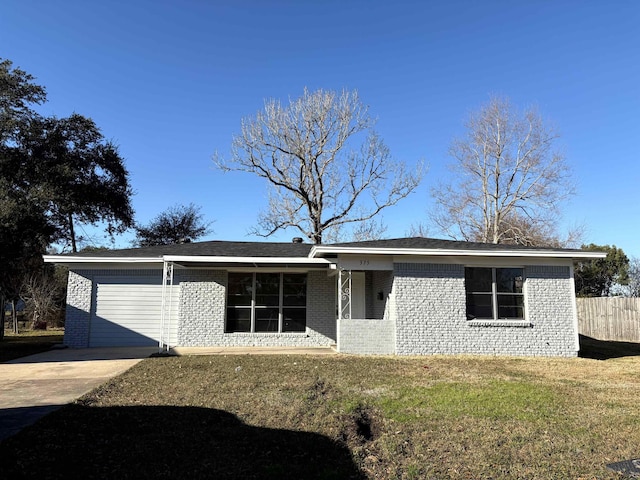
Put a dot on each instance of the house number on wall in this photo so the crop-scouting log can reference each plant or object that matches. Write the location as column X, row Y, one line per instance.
column 366, row 263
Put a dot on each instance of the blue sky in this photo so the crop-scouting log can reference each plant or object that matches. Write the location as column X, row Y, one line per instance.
column 169, row 82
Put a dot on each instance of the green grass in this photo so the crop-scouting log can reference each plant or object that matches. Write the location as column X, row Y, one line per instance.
column 277, row 417
column 497, row 400
column 28, row 343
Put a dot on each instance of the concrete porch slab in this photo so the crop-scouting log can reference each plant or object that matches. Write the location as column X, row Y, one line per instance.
column 252, row 351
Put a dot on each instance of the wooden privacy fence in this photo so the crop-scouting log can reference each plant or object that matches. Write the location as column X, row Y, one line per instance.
column 610, row 318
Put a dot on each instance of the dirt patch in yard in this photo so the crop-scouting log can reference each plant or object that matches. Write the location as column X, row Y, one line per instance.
column 360, row 426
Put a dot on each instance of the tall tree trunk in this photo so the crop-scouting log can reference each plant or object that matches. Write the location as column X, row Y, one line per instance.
column 14, row 316
column 2, row 305
column 72, row 233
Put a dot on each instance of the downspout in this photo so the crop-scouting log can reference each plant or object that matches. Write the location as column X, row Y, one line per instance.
column 166, row 309
column 574, row 308
column 339, row 313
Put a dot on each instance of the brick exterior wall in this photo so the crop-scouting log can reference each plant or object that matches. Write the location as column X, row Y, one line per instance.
column 202, row 306
column 202, row 314
column 422, row 312
column 367, row 336
column 431, row 314
column 78, row 311
column 202, row 309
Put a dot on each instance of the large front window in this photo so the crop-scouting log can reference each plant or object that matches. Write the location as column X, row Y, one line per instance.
column 494, row 293
column 266, row 302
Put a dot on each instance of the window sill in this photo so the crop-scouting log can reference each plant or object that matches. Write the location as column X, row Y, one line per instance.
column 267, row 334
column 500, row 323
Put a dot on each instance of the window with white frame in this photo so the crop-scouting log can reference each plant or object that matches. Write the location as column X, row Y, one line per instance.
column 494, row 293
column 266, row 302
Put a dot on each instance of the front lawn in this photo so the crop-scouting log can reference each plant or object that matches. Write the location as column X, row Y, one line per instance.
column 340, row 417
column 29, row 342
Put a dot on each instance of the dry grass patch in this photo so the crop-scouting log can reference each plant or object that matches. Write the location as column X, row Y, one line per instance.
column 347, row 417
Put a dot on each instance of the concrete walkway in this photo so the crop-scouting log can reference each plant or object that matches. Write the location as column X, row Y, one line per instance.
column 33, row 386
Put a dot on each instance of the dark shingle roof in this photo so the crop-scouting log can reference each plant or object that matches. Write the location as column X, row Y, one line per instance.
column 436, row 243
column 216, row 248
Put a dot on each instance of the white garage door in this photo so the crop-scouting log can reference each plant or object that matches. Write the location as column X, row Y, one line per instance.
column 127, row 313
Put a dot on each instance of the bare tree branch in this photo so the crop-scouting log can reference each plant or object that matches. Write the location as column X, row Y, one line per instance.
column 509, row 182
column 325, row 165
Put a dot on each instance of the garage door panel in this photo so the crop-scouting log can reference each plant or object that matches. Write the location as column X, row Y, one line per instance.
column 128, row 312
column 125, row 307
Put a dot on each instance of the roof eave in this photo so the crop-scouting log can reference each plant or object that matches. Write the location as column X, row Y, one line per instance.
column 72, row 260
column 69, row 260
column 246, row 260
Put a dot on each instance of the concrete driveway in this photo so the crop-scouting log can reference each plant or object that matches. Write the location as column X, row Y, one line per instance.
column 33, row 386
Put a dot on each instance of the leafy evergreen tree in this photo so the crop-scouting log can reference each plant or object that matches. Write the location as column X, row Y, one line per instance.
column 594, row 278
column 177, row 224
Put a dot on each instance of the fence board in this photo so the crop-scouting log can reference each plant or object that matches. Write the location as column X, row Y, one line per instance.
column 609, row 318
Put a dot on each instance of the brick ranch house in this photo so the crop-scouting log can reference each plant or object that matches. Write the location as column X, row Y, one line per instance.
column 407, row 296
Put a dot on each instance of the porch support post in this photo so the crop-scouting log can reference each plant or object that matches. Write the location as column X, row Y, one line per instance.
column 165, row 312
column 344, row 294
column 344, row 301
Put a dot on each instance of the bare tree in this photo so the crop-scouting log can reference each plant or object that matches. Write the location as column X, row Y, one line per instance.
column 369, row 230
column 41, row 294
column 324, row 163
column 509, row 180
column 419, row 229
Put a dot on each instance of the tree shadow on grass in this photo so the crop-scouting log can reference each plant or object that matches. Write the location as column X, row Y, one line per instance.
column 605, row 350
column 161, row 442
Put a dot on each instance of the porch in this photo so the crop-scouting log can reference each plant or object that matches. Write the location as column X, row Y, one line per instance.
column 365, row 323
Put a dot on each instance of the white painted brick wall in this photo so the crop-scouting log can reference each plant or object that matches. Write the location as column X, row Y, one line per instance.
column 202, row 313
column 78, row 311
column 427, row 305
column 431, row 314
column 202, row 306
column 367, row 336
column 202, row 309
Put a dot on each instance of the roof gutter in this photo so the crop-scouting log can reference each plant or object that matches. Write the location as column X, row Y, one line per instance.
column 64, row 260
column 243, row 260
column 318, row 250
column 68, row 260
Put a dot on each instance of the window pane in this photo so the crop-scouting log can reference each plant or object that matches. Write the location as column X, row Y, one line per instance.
column 266, row 319
column 477, row 279
column 239, row 289
column 294, row 289
column 239, row 300
column 294, row 319
column 268, row 284
column 267, row 300
column 479, row 305
column 294, row 284
column 510, row 306
column 238, row 320
column 509, row 280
